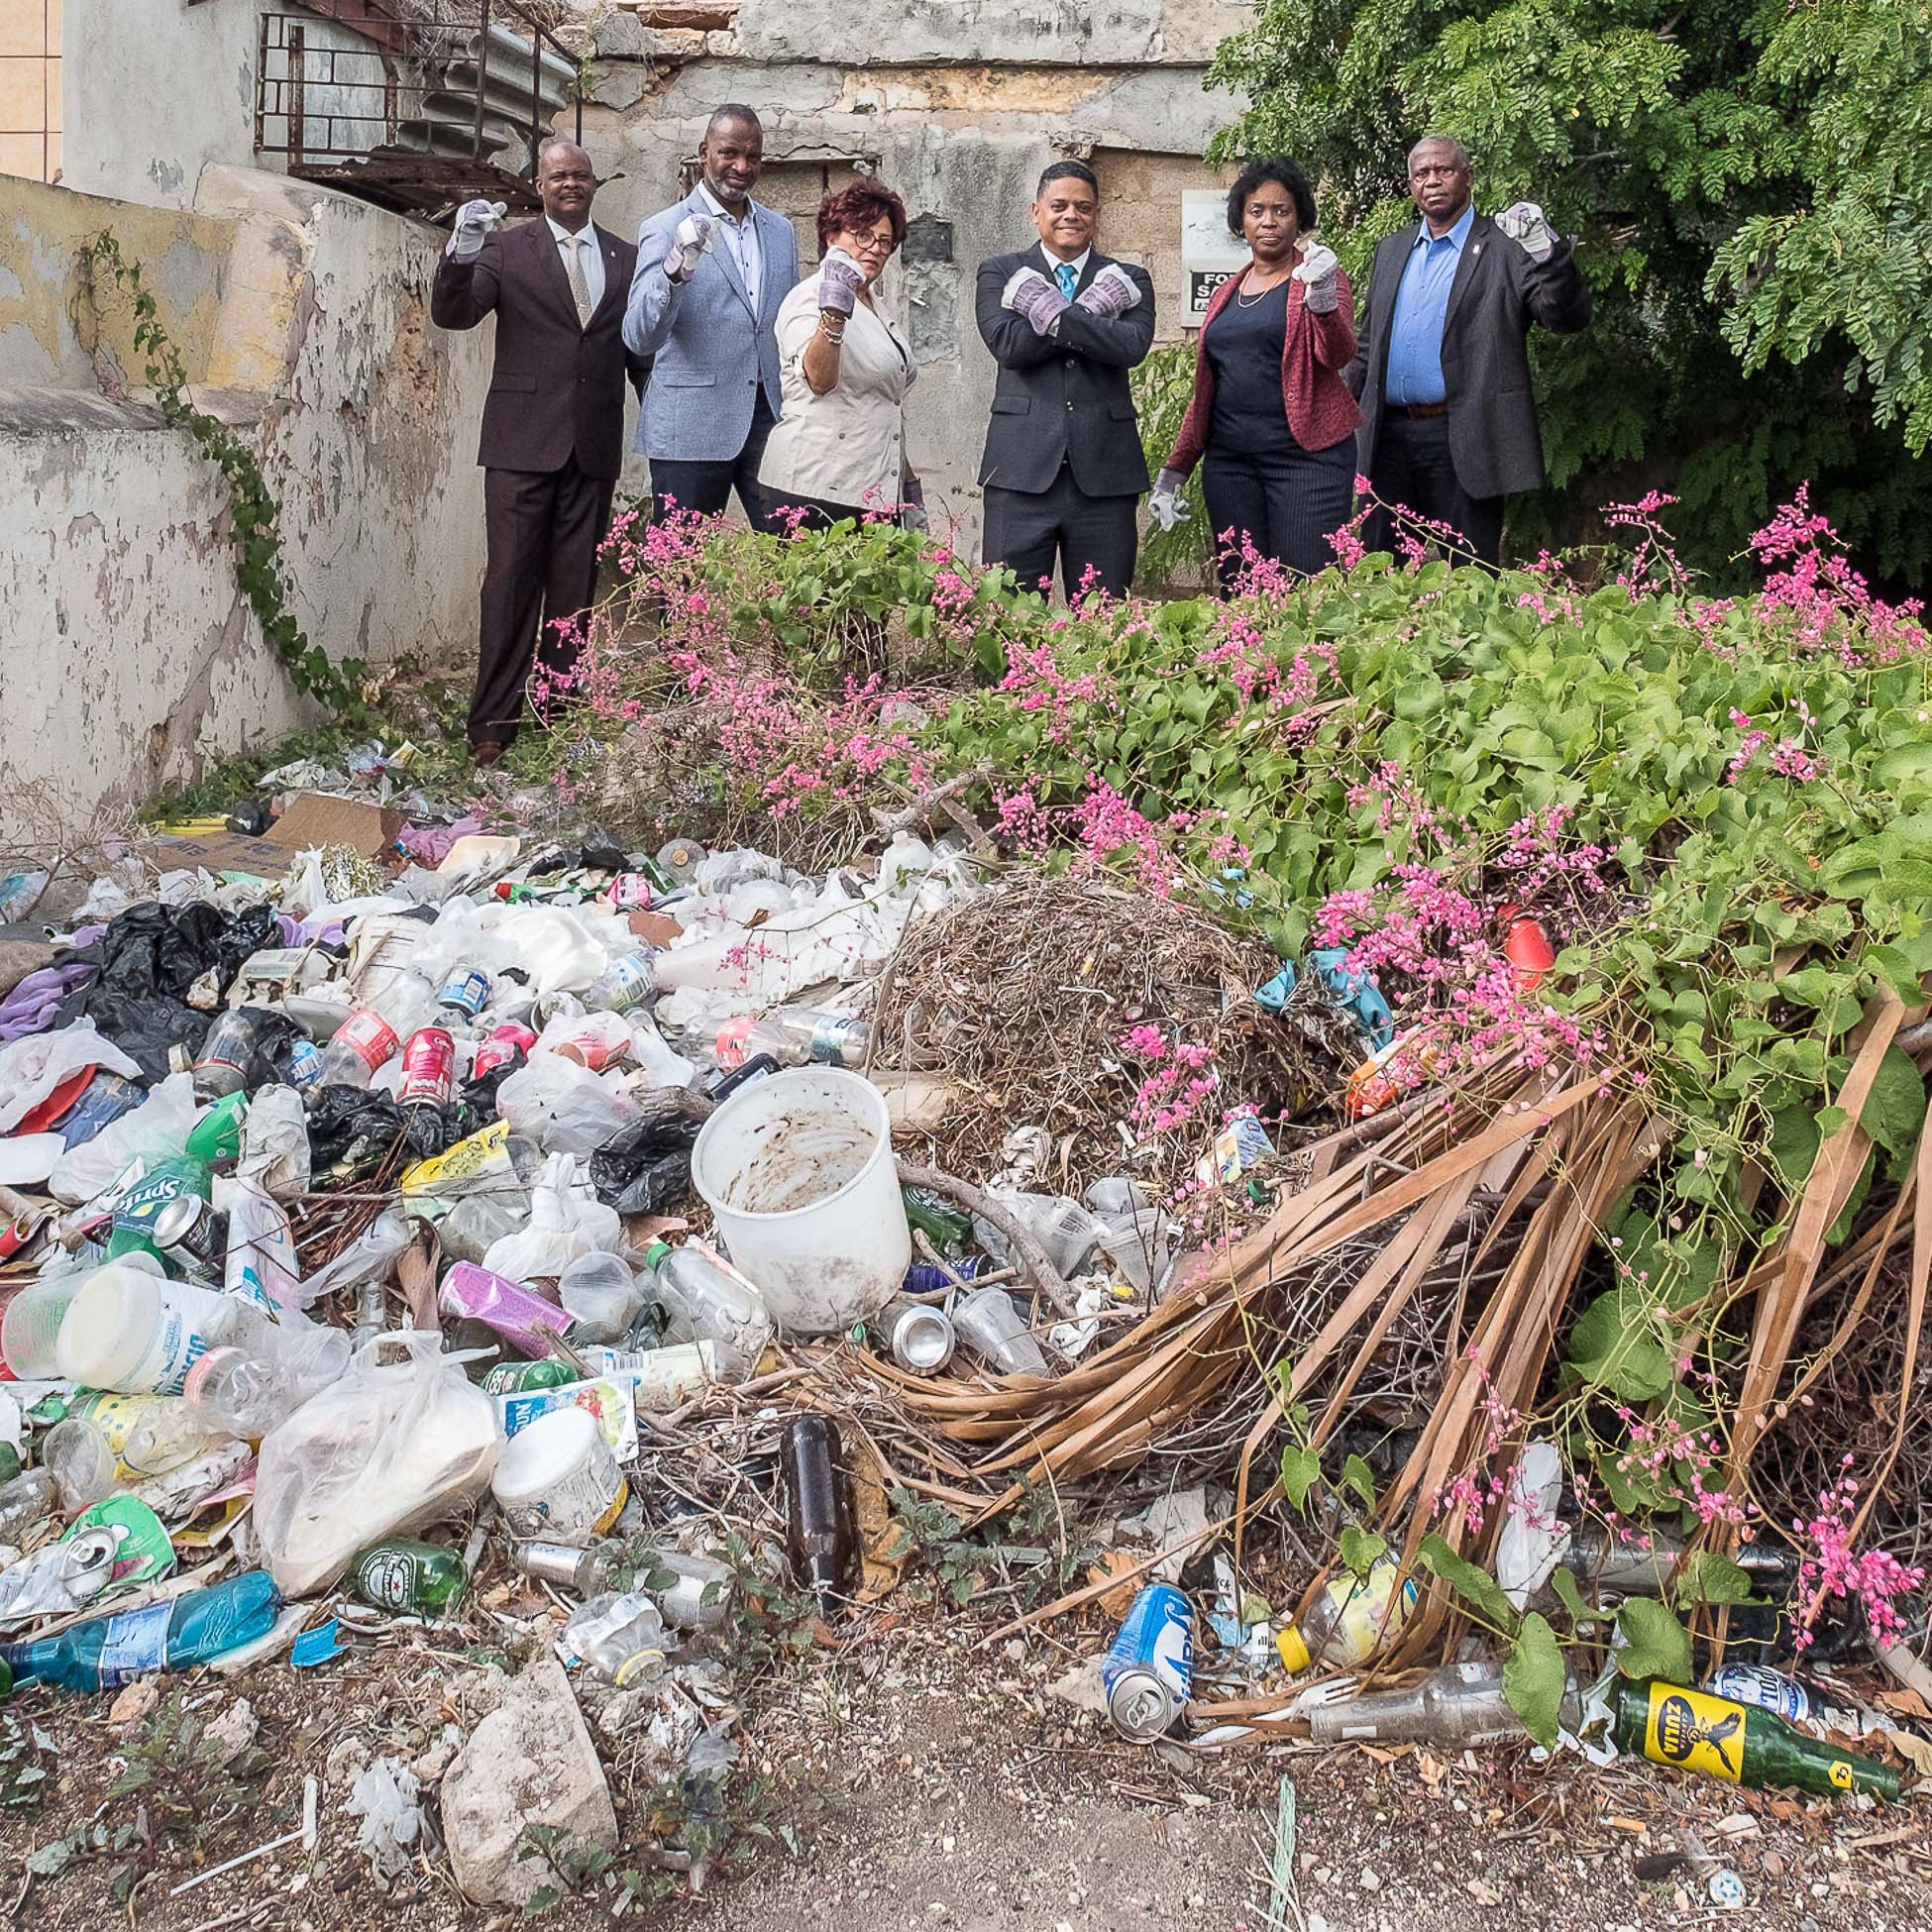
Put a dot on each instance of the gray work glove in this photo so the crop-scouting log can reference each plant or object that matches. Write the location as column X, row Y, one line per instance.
column 840, row 278
column 1110, row 293
column 911, row 509
column 1525, row 226
column 1165, row 503
column 1315, row 273
column 473, row 220
column 692, row 237
column 1030, row 295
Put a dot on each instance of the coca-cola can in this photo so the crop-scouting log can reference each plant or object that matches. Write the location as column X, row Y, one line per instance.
column 428, row 1069
column 502, row 1045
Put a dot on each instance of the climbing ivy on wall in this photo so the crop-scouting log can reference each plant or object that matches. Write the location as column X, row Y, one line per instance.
column 259, row 569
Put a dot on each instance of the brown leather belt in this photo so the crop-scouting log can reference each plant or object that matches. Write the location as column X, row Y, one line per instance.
column 1419, row 408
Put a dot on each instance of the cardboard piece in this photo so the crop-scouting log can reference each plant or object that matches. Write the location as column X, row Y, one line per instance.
column 655, row 928
column 311, row 818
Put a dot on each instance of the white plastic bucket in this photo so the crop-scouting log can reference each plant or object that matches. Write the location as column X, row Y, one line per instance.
column 557, row 1478
column 797, row 1171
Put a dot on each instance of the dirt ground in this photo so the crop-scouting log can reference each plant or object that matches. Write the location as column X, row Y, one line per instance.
column 915, row 1780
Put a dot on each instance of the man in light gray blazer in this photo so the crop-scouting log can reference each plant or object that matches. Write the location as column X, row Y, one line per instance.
column 711, row 272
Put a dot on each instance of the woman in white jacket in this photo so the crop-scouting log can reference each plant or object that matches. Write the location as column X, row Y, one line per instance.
column 839, row 448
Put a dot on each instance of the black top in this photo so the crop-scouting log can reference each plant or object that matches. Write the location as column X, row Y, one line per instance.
column 1243, row 348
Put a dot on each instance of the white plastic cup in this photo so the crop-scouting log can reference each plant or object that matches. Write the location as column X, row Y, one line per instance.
column 125, row 1331
column 797, row 1172
column 557, row 1480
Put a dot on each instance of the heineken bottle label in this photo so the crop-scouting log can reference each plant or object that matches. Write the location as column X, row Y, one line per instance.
column 386, row 1579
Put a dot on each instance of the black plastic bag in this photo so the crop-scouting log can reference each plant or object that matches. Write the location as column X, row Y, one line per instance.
column 349, row 1129
column 644, row 1168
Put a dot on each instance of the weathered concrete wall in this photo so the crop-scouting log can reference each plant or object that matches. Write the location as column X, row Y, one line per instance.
column 957, row 104
column 156, row 90
column 130, row 656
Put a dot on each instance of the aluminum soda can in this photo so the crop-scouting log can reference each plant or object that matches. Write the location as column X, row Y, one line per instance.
column 922, row 1340
column 467, row 990
column 304, row 1063
column 1147, row 1672
column 1768, row 1690
column 504, row 1044
column 428, row 1069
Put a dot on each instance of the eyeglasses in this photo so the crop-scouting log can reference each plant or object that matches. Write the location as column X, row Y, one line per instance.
column 873, row 244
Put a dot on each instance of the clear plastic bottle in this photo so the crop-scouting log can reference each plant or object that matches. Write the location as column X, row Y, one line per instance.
column 705, row 1304
column 372, row 1034
column 1351, row 1619
column 1458, row 1704
column 796, row 1036
column 619, row 1638
column 26, row 1501
column 238, row 1392
column 599, row 1296
column 630, row 980
column 222, row 1066
column 109, row 1442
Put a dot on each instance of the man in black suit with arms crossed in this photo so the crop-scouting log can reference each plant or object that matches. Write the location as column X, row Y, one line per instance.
column 1063, row 470
column 553, row 425
column 1441, row 373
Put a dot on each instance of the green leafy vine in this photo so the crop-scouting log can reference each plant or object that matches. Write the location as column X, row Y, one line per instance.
column 258, row 570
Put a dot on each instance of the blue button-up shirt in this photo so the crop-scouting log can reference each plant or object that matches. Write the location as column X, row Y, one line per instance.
column 1415, row 372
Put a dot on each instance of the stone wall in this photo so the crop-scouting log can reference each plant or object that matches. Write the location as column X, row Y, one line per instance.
column 957, row 104
column 131, row 658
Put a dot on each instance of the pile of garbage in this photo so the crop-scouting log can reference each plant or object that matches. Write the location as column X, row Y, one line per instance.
column 380, row 1200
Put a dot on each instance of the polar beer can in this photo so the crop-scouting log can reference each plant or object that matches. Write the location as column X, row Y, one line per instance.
column 1149, row 1669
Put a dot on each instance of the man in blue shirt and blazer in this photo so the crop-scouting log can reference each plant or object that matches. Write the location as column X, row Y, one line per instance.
column 711, row 272
column 1441, row 373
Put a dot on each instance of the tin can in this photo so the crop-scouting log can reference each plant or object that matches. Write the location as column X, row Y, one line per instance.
column 504, row 1044
column 632, row 892
column 1768, row 1690
column 922, row 1340
column 192, row 1231
column 428, row 1069
column 1149, row 1669
column 466, row 991
column 304, row 1064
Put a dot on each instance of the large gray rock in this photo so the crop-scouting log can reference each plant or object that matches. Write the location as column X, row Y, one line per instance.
column 530, row 1762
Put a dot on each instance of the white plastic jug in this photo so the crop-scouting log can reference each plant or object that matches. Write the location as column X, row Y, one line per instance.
column 797, row 1171
column 126, row 1331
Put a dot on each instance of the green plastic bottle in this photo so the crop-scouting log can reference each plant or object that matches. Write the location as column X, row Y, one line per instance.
column 1737, row 1742
column 408, row 1578
column 107, row 1652
column 216, row 1136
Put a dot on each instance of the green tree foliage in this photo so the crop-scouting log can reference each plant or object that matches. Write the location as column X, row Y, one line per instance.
column 1752, row 180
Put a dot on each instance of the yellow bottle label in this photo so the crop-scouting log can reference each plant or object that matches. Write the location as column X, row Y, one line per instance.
column 1701, row 1733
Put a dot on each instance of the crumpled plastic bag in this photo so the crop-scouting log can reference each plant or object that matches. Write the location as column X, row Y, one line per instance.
column 644, row 1168
column 368, row 1257
column 353, row 1128
column 152, row 1133
column 563, row 1107
column 391, row 1446
column 386, row 1798
column 275, row 1142
column 31, row 1069
column 566, row 1221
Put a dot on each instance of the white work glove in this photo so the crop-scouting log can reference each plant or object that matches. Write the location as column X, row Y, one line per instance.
column 1028, row 293
column 475, row 219
column 1315, row 273
column 692, row 237
column 1525, row 226
column 1165, row 503
column 1110, row 293
column 840, row 278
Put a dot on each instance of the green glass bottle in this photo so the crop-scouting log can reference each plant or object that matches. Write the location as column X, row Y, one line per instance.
column 1737, row 1742
column 408, row 1578
column 519, row 1377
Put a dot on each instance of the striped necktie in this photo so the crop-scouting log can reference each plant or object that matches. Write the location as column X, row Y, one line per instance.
column 580, row 287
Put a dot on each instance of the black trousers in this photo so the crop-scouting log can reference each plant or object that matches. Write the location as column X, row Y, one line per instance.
column 543, row 528
column 1284, row 501
column 1026, row 532
column 707, row 488
column 1411, row 468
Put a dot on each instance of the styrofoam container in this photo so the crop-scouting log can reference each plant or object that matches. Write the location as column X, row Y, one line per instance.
column 797, row 1172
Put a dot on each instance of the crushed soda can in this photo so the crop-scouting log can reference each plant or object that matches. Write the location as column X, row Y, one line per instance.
column 428, row 1069
column 1147, row 1672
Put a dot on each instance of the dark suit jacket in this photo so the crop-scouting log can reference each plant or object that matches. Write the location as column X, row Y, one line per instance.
column 556, row 387
column 1498, row 292
column 1063, row 398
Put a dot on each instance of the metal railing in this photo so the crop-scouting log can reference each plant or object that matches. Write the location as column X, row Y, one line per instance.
column 478, row 87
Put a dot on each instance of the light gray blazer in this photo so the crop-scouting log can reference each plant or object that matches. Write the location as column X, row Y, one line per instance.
column 710, row 351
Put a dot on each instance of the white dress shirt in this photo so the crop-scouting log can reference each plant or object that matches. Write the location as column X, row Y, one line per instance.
column 741, row 238
column 589, row 256
column 1078, row 264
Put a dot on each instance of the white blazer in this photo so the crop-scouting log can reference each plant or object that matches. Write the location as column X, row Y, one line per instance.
column 847, row 446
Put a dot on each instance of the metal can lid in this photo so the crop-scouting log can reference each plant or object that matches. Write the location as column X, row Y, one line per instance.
column 1141, row 1706
column 179, row 1220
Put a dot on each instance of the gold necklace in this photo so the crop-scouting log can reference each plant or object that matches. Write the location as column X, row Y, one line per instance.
column 1241, row 301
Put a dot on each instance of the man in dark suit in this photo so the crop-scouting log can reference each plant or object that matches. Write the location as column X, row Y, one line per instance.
column 553, row 426
column 1063, row 470
column 1450, row 423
